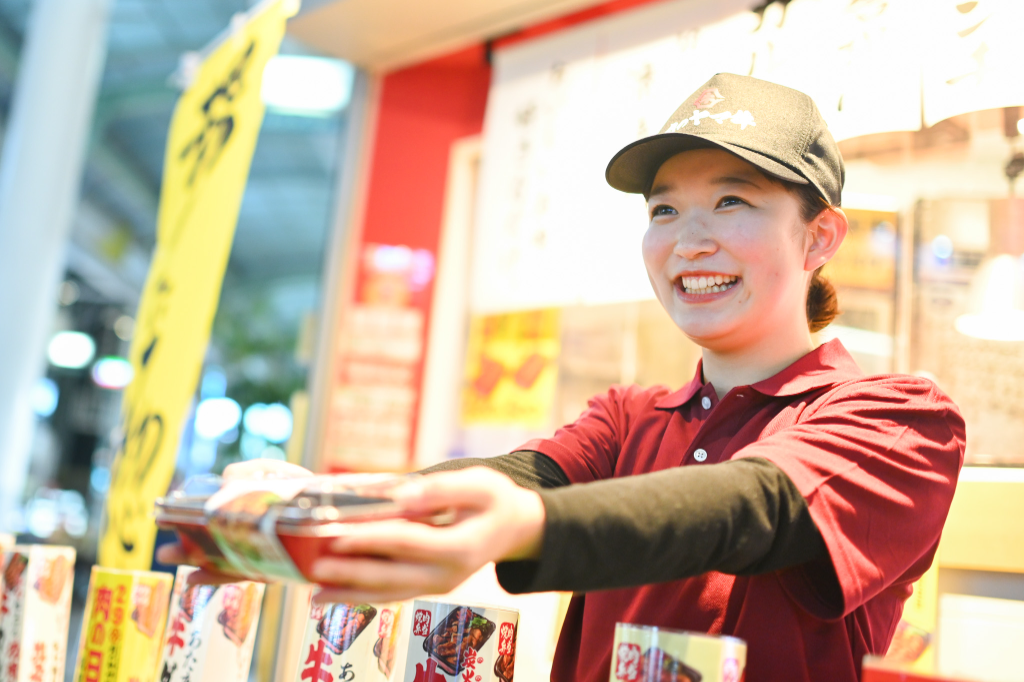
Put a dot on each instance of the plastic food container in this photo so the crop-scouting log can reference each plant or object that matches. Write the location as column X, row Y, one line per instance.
column 274, row 528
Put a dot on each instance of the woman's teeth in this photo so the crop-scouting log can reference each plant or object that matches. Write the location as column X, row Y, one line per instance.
column 710, row 284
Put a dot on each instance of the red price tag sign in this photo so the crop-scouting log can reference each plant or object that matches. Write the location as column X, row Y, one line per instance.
column 421, row 623
column 627, row 663
column 506, row 639
column 387, row 619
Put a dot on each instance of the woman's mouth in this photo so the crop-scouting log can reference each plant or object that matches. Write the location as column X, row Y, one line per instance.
column 705, row 285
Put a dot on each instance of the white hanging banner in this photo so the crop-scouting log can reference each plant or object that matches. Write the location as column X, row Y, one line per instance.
column 974, row 61
column 549, row 230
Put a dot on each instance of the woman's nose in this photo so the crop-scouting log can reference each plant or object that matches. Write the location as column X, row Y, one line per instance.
column 693, row 242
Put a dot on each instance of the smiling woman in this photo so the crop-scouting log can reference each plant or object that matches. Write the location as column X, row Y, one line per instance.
column 780, row 496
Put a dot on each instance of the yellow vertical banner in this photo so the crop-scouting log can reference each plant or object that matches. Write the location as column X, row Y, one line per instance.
column 209, row 150
column 511, row 369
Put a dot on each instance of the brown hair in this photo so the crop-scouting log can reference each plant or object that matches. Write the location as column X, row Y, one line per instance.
column 822, row 302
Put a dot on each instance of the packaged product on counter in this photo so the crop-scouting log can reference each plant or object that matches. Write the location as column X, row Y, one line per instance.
column 272, row 528
column 459, row 642
column 642, row 653
column 210, row 631
column 878, row 669
column 35, row 607
column 343, row 642
column 123, row 625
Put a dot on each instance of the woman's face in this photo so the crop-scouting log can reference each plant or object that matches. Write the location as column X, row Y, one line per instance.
column 726, row 250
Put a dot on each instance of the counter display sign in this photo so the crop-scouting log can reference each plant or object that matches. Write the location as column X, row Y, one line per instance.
column 341, row 642
column 35, row 607
column 651, row 654
column 123, row 625
column 211, row 630
column 460, row 642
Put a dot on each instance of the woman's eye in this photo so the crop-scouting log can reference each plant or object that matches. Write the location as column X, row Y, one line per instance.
column 662, row 209
column 730, row 201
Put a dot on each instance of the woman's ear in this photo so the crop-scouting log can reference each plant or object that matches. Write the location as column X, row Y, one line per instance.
column 827, row 232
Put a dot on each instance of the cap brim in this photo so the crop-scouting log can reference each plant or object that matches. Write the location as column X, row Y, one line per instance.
column 633, row 168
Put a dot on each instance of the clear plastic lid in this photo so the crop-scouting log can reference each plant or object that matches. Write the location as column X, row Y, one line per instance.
column 323, row 499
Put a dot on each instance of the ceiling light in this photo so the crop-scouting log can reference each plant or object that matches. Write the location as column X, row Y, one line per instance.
column 1020, row 126
column 112, row 372
column 217, row 416
column 72, row 350
column 307, row 86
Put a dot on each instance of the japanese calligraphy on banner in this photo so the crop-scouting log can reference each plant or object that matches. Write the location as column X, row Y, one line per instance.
column 550, row 232
column 209, row 149
column 123, row 627
column 375, row 395
column 511, row 369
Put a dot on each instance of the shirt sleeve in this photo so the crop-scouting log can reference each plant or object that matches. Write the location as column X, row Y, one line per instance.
column 877, row 463
column 528, row 469
column 742, row 517
column 588, row 449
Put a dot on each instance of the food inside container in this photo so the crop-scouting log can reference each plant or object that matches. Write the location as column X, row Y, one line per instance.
column 342, row 624
column 270, row 528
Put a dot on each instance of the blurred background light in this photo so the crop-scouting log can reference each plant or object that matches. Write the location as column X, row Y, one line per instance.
column 997, row 301
column 71, row 350
column 216, row 416
column 112, row 372
column 307, row 86
column 942, row 247
column 271, row 422
column 44, row 397
column 124, row 327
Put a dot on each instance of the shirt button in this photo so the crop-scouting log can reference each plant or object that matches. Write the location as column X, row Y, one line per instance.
column 700, row 455
column 705, row 402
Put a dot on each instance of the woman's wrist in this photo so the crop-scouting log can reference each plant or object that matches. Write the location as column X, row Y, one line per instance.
column 527, row 538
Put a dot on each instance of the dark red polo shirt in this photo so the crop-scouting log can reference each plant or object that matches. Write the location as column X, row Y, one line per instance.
column 876, row 458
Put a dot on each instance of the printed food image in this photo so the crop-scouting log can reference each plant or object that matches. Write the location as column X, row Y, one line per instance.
column 241, row 604
column 150, row 607
column 451, row 640
column 387, row 640
column 15, row 569
column 658, row 666
column 505, row 664
column 51, row 580
column 908, row 643
column 194, row 599
column 342, row 623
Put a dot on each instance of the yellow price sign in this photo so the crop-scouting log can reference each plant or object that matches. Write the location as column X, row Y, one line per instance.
column 209, row 150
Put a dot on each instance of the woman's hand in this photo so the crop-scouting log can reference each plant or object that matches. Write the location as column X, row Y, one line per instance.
column 253, row 470
column 377, row 561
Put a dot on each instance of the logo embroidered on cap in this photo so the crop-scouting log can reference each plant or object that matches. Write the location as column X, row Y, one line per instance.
column 742, row 118
column 708, row 99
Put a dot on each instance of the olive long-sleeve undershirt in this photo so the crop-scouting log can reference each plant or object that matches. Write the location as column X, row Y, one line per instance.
column 743, row 517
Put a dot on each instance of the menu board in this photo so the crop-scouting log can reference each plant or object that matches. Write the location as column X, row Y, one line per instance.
column 549, row 232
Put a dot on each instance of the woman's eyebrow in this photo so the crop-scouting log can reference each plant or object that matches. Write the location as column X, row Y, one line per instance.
column 735, row 180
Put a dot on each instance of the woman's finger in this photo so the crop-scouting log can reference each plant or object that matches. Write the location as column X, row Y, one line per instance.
column 264, row 468
column 376, row 575
column 402, row 540
column 171, row 553
column 469, row 488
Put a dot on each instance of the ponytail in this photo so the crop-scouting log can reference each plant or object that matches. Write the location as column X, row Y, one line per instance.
column 822, row 303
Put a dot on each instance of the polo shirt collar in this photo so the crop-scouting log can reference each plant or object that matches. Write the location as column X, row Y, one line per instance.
column 826, row 365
